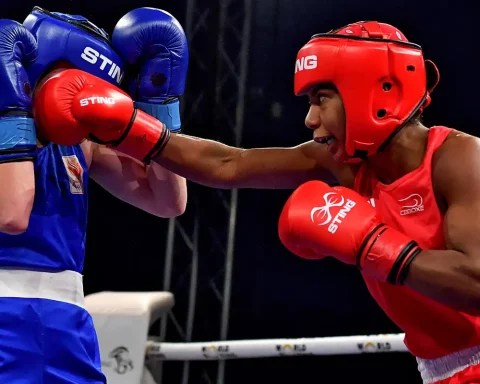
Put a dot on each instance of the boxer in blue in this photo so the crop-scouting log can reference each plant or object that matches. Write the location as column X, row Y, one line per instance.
column 46, row 336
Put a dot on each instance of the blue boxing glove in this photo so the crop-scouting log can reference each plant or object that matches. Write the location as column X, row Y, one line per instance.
column 154, row 44
column 18, row 49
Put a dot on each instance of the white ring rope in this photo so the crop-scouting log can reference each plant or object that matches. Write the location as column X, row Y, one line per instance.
column 248, row 349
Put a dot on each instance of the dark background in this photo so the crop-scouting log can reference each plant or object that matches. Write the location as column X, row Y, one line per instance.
column 276, row 295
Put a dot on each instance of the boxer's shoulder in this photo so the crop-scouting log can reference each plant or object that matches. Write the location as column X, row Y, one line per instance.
column 455, row 164
column 456, row 145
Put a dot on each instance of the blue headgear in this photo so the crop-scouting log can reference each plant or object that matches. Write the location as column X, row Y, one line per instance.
column 74, row 39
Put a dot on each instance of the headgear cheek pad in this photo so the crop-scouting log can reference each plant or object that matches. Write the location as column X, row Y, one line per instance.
column 73, row 39
column 380, row 76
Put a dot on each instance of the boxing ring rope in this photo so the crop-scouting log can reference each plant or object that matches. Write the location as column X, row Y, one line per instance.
column 248, row 349
column 131, row 355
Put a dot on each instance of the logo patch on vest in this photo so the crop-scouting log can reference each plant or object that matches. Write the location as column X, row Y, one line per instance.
column 75, row 174
column 411, row 204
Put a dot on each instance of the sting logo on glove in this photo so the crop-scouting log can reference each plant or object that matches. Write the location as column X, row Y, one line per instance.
column 91, row 56
column 97, row 100
column 323, row 214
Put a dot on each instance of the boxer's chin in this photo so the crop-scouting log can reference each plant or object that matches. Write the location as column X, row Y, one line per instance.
column 338, row 151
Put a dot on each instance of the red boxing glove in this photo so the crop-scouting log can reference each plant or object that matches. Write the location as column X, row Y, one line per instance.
column 319, row 220
column 71, row 105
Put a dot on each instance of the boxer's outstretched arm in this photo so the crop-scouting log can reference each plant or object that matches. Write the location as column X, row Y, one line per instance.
column 217, row 165
column 150, row 188
column 452, row 276
column 17, row 191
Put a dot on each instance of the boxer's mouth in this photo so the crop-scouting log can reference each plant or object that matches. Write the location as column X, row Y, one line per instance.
column 325, row 139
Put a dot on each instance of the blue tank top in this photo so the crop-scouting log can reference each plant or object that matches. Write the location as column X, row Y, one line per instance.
column 56, row 234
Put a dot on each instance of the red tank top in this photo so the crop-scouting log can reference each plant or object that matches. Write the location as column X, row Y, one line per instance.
column 431, row 329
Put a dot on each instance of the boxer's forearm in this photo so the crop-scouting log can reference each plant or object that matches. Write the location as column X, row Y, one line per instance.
column 17, row 192
column 218, row 165
column 203, row 161
column 169, row 190
column 449, row 277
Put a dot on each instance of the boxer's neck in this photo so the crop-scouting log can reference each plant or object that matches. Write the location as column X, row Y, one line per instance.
column 403, row 155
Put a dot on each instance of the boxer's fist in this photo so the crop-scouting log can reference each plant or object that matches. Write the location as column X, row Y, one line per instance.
column 154, row 44
column 318, row 220
column 18, row 50
column 70, row 105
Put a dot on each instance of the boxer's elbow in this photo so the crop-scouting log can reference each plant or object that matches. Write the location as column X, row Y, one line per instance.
column 178, row 203
column 15, row 215
column 469, row 275
column 172, row 204
column 178, row 206
column 472, row 304
column 16, row 196
column 474, row 274
column 168, row 211
column 15, row 223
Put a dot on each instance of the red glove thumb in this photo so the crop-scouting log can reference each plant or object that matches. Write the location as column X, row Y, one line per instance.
column 289, row 240
column 305, row 216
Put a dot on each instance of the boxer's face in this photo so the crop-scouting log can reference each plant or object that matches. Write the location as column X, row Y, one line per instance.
column 326, row 117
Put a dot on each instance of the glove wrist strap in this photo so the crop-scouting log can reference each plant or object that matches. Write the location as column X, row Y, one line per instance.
column 18, row 139
column 168, row 114
column 386, row 254
column 145, row 137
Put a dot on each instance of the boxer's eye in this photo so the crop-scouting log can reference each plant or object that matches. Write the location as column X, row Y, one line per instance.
column 317, row 99
column 320, row 97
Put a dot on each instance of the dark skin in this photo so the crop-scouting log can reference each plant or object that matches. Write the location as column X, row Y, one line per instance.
column 450, row 276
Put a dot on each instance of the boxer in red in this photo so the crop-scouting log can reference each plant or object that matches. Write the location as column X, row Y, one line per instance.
column 407, row 210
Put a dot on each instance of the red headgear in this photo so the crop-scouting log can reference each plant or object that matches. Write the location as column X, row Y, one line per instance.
column 381, row 78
